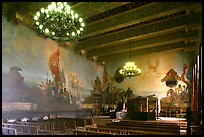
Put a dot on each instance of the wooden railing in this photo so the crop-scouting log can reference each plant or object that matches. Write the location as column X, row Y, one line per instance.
column 51, row 127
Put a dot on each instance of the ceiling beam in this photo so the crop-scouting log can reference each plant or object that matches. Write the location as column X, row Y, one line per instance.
column 148, row 46
column 88, row 9
column 149, row 35
column 91, row 44
column 141, row 43
column 171, row 46
column 137, row 15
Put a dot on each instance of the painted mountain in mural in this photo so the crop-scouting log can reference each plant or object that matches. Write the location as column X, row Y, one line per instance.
column 14, row 90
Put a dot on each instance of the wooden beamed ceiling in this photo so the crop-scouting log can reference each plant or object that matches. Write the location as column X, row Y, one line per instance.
column 112, row 28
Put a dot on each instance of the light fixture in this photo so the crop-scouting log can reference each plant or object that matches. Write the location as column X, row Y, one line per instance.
column 130, row 69
column 59, row 22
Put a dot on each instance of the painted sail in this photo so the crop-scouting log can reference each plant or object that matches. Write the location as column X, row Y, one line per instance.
column 54, row 64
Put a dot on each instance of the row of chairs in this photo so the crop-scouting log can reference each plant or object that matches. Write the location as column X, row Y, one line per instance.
column 86, row 132
column 9, row 131
column 116, row 131
column 164, row 128
column 51, row 127
column 18, row 129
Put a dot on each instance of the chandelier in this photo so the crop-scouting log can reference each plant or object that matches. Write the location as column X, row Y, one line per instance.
column 130, row 69
column 59, row 22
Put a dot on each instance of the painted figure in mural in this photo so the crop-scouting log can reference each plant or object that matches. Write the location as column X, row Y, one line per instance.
column 171, row 78
column 179, row 97
column 152, row 68
column 129, row 93
column 171, row 95
column 97, row 85
column 184, row 94
column 179, row 89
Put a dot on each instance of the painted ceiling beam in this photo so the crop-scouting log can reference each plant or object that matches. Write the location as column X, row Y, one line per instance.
column 151, row 45
column 88, row 9
column 91, row 44
column 137, row 15
column 141, row 43
column 171, row 46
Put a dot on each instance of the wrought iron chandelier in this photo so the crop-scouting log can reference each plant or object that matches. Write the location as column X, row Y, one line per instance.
column 59, row 22
column 130, row 69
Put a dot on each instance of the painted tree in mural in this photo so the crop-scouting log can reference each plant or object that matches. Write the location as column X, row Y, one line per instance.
column 15, row 68
column 97, row 85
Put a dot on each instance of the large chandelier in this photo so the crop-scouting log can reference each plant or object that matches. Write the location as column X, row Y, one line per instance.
column 59, row 22
column 130, row 69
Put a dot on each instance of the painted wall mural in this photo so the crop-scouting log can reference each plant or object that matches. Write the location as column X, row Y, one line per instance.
column 154, row 67
column 23, row 48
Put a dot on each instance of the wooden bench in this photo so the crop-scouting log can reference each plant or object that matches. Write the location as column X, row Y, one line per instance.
column 85, row 132
column 171, row 128
column 22, row 129
column 9, row 131
column 140, row 129
column 50, row 128
column 53, row 126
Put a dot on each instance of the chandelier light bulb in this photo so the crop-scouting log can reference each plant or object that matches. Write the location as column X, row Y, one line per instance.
column 41, row 26
column 37, row 23
column 65, row 4
column 68, row 8
column 42, row 10
column 76, row 15
column 46, row 11
column 35, row 17
column 73, row 33
column 38, row 14
column 80, row 20
column 46, row 30
column 81, row 29
column 73, row 17
column 72, row 12
column 82, row 24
